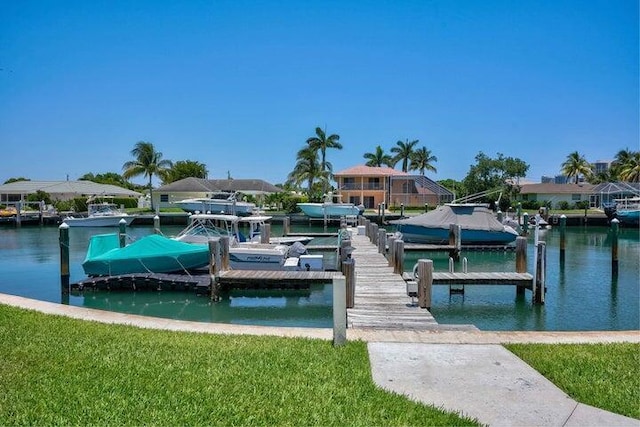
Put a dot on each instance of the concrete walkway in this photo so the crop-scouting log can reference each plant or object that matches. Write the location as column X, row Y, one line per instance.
column 468, row 372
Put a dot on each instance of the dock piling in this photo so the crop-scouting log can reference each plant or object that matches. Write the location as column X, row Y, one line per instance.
column 339, row 311
column 214, row 267
column 615, row 227
column 286, row 226
column 156, row 225
column 349, row 272
column 563, row 236
column 398, row 257
column 382, row 240
column 425, row 282
column 64, row 259
column 539, row 285
column 122, row 224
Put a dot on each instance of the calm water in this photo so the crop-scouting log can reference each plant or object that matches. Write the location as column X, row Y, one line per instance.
column 581, row 293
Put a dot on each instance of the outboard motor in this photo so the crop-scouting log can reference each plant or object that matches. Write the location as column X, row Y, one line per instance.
column 296, row 249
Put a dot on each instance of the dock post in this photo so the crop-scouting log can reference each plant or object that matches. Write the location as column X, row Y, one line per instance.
column 156, row 225
column 345, row 252
column 339, row 311
column 426, row 207
column 265, row 233
column 425, row 282
column 563, row 236
column 398, row 257
column 349, row 272
column 224, row 252
column 521, row 260
column 122, row 224
column 519, row 211
column 374, row 233
column 286, row 226
column 401, row 210
column 499, row 214
column 382, row 240
column 615, row 227
column 525, row 224
column 214, row 267
column 64, row 259
column 540, row 276
column 455, row 240
column 19, row 214
column 391, row 242
column 384, row 207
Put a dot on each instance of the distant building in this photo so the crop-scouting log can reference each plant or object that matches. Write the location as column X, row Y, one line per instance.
column 18, row 191
column 601, row 166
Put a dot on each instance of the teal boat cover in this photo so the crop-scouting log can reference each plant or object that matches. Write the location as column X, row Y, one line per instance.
column 149, row 254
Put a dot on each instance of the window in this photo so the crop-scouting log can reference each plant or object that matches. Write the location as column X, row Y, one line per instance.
column 576, row 197
column 164, row 198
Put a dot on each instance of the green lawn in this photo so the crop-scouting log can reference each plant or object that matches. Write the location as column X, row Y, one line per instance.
column 606, row 376
column 57, row 370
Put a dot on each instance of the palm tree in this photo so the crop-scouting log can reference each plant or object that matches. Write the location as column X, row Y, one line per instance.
column 422, row 160
column 148, row 162
column 320, row 143
column 622, row 157
column 576, row 165
column 307, row 168
column 630, row 170
column 403, row 152
column 379, row 158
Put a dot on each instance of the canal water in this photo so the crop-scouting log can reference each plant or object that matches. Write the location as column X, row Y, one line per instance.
column 582, row 293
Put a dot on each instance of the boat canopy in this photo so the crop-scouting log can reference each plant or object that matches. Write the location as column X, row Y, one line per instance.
column 468, row 216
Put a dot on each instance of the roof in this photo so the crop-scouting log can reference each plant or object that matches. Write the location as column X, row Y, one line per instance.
column 363, row 170
column 617, row 188
column 247, row 186
column 64, row 187
column 551, row 188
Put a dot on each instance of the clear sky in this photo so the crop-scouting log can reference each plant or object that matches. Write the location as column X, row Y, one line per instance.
column 240, row 85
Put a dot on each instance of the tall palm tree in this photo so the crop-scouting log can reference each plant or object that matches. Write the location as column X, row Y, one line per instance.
column 403, row 152
column 307, row 168
column 379, row 158
column 422, row 160
column 576, row 165
column 622, row 157
column 320, row 143
column 630, row 170
column 148, row 162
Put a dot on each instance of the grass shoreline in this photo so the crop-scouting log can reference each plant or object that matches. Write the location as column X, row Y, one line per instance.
column 58, row 370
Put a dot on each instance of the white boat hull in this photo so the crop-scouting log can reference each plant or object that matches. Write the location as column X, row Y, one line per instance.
column 216, row 206
column 320, row 210
column 98, row 221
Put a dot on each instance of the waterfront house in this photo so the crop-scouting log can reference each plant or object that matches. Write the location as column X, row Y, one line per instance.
column 191, row 188
column 372, row 186
column 556, row 193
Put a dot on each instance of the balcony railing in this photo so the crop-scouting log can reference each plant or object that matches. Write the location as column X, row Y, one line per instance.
column 360, row 186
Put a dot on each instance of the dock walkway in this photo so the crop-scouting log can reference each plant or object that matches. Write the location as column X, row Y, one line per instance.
column 381, row 300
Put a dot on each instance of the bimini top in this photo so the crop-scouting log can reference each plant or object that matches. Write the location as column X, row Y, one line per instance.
column 468, row 216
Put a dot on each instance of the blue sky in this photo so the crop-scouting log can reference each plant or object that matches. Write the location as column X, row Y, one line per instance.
column 240, row 85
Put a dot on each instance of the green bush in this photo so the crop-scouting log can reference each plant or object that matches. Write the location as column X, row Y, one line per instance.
column 563, row 205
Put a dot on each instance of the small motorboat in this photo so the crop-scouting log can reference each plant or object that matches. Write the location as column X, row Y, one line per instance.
column 103, row 214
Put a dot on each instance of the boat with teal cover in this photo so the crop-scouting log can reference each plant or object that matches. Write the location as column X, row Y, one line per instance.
column 150, row 254
column 628, row 211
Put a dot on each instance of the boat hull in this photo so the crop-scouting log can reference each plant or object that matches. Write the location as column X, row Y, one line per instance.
column 440, row 236
column 254, row 257
column 628, row 217
column 320, row 210
column 99, row 221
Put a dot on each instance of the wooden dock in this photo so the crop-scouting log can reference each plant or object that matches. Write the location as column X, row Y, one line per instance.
column 270, row 279
column 381, row 300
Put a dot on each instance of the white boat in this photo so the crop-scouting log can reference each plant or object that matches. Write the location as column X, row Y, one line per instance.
column 218, row 203
column 330, row 208
column 255, row 225
column 103, row 214
column 477, row 222
column 247, row 254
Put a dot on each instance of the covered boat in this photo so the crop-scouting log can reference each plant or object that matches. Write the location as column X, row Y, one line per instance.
column 477, row 222
column 150, row 254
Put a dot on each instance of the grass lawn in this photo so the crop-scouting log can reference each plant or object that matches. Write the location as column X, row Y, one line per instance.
column 56, row 370
column 606, row 376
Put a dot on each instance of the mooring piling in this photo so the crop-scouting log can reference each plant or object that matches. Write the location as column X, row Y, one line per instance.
column 615, row 229
column 64, row 258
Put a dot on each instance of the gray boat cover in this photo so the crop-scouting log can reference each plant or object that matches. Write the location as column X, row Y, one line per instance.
column 468, row 216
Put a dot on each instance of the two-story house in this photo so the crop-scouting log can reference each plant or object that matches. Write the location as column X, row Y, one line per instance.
column 372, row 186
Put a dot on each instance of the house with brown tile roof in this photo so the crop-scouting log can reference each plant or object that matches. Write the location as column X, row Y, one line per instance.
column 372, row 186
